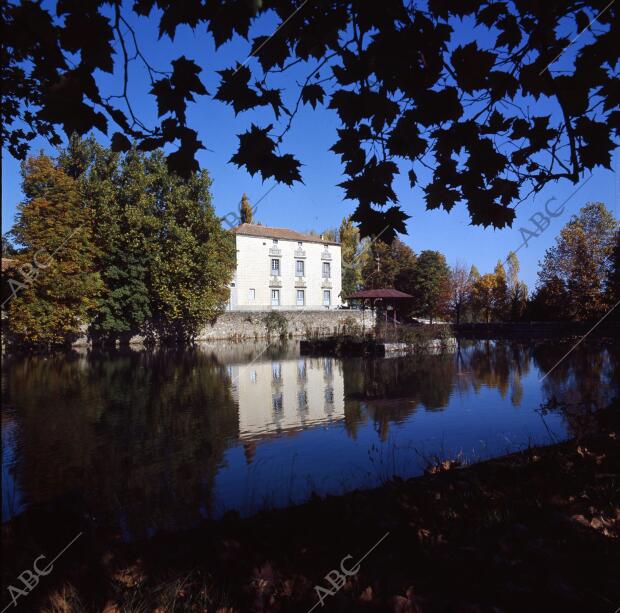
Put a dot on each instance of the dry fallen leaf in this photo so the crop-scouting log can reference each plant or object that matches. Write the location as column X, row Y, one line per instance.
column 366, row 595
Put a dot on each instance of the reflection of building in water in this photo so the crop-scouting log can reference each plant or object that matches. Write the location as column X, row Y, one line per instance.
column 287, row 394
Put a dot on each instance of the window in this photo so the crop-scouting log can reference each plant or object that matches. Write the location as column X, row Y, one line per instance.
column 327, row 270
column 301, row 297
column 328, row 367
column 275, row 297
column 253, row 376
column 277, row 404
column 300, row 244
column 275, row 267
column 329, row 395
column 301, row 370
column 327, row 297
column 299, row 268
column 252, row 294
column 275, row 242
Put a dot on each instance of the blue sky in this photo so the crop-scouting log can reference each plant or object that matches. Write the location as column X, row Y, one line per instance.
column 318, row 203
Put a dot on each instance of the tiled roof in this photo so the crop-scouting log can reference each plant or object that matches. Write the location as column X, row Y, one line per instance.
column 251, row 229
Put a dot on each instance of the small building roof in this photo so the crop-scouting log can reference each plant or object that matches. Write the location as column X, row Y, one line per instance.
column 252, row 229
column 386, row 293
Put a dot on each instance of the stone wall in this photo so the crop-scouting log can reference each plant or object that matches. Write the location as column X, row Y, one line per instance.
column 250, row 325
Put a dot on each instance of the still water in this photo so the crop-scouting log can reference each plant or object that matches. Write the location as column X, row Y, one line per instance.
column 151, row 440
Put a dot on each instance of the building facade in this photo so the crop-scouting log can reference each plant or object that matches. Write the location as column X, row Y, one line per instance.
column 280, row 269
column 287, row 395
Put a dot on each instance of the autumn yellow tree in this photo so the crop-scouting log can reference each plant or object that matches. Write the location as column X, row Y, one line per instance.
column 61, row 289
column 482, row 296
column 579, row 263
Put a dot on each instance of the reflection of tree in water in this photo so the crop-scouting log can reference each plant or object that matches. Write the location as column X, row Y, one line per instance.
column 137, row 436
column 587, row 379
column 498, row 365
column 390, row 390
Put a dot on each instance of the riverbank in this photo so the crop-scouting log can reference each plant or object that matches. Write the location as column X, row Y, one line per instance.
column 533, row 531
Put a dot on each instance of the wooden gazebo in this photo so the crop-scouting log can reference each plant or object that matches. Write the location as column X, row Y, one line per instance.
column 384, row 300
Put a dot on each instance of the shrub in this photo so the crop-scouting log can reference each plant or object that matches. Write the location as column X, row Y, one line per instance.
column 276, row 323
column 351, row 327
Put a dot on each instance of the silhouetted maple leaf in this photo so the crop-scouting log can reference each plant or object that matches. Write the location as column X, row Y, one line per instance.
column 257, row 154
column 312, row 94
column 404, row 80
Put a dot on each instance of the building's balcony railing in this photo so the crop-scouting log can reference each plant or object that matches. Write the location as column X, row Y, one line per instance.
column 326, row 255
column 300, row 253
column 326, row 283
column 275, row 282
column 300, row 282
column 275, row 251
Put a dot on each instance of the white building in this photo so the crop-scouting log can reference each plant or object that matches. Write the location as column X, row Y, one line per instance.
column 286, row 270
column 287, row 395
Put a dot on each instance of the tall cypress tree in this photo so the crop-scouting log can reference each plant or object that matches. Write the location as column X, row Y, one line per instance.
column 245, row 210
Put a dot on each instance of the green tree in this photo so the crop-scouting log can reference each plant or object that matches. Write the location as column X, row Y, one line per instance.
column 385, row 263
column 61, row 292
column 246, row 213
column 580, row 261
column 429, row 284
column 125, row 228
column 354, row 256
column 193, row 259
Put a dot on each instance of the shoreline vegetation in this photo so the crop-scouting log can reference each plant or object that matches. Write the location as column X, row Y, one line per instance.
column 131, row 254
column 536, row 530
column 351, row 340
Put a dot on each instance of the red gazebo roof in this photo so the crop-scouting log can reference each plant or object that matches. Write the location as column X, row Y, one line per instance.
column 390, row 294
